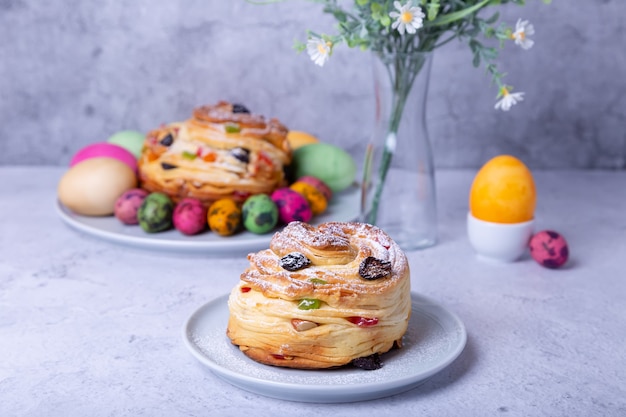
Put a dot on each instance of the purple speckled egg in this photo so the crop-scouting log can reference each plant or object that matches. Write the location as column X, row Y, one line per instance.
column 127, row 205
column 292, row 206
column 549, row 249
column 319, row 184
column 190, row 216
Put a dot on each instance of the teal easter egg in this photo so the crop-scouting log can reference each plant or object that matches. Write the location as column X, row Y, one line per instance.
column 130, row 140
column 331, row 164
column 155, row 213
column 260, row 214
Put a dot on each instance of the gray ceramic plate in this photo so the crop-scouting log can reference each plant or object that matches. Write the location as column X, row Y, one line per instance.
column 343, row 206
column 434, row 339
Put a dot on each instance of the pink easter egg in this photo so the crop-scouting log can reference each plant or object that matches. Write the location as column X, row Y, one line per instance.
column 190, row 216
column 105, row 150
column 319, row 184
column 128, row 204
column 549, row 249
column 292, row 206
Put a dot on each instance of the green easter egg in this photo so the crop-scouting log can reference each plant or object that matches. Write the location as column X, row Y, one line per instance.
column 327, row 162
column 155, row 213
column 130, row 140
column 260, row 214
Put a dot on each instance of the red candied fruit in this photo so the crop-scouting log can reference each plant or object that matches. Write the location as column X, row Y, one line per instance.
column 245, row 289
column 363, row 321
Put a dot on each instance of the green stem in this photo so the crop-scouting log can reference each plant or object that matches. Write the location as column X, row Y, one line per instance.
column 402, row 72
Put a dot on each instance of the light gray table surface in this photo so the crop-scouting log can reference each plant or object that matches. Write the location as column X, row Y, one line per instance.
column 93, row 328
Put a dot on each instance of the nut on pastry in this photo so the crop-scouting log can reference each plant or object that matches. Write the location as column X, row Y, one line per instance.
column 322, row 297
column 223, row 150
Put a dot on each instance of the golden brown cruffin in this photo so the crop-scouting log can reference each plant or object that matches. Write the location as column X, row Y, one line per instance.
column 321, row 297
column 221, row 151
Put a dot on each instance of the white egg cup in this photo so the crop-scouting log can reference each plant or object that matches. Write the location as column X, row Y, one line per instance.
column 499, row 242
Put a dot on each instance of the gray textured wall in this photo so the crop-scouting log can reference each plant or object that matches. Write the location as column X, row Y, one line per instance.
column 73, row 72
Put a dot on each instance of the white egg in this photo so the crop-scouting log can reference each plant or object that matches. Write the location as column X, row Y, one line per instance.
column 91, row 187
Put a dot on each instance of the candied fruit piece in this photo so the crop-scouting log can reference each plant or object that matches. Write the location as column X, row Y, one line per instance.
column 363, row 321
column 309, row 304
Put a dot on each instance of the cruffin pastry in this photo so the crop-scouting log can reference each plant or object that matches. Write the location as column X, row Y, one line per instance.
column 221, row 151
column 321, row 297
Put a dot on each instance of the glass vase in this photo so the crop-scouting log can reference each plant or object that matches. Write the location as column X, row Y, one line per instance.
column 398, row 184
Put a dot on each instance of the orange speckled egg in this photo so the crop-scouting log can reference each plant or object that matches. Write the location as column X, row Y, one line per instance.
column 313, row 196
column 224, row 217
column 503, row 191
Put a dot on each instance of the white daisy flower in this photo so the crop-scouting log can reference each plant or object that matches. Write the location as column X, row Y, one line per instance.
column 508, row 99
column 319, row 50
column 523, row 29
column 408, row 17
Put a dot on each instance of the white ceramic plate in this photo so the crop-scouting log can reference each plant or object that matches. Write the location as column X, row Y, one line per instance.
column 343, row 206
column 435, row 338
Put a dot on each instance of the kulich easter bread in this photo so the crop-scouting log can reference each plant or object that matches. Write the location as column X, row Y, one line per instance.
column 321, row 297
column 221, row 151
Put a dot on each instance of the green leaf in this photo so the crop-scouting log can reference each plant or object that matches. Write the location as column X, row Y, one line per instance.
column 453, row 17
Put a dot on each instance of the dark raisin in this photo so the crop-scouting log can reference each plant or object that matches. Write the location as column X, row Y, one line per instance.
column 241, row 154
column 240, row 108
column 369, row 363
column 374, row 268
column 167, row 140
column 294, row 261
column 165, row 165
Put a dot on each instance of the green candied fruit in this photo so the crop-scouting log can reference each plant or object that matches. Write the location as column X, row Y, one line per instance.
column 317, row 281
column 309, row 304
column 189, row 155
column 232, row 128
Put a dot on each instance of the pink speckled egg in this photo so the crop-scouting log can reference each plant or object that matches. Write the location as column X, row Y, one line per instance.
column 319, row 184
column 127, row 205
column 190, row 216
column 105, row 150
column 549, row 249
column 292, row 206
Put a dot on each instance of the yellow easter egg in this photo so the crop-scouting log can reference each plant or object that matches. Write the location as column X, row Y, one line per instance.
column 503, row 191
column 297, row 139
column 224, row 217
column 313, row 196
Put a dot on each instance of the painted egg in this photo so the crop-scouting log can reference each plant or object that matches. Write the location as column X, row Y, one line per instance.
column 298, row 139
column 105, row 150
column 319, row 184
column 130, row 140
column 260, row 214
column 224, row 217
column 190, row 216
column 327, row 162
column 92, row 187
column 155, row 213
column 503, row 191
column 313, row 196
column 292, row 206
column 128, row 204
column 549, row 249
